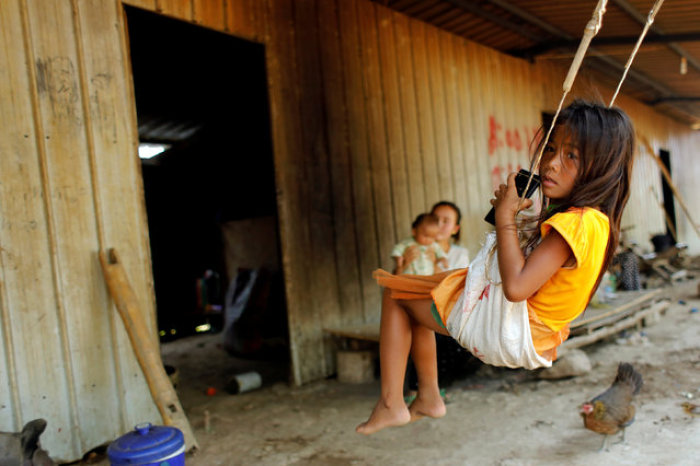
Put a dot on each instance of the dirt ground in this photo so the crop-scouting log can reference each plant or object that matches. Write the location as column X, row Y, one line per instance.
column 494, row 416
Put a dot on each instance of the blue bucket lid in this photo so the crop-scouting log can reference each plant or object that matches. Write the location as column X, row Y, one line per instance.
column 146, row 444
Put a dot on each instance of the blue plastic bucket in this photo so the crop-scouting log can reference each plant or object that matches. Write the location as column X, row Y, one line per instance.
column 148, row 445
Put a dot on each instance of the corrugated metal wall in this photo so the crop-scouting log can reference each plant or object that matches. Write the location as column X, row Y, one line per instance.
column 374, row 117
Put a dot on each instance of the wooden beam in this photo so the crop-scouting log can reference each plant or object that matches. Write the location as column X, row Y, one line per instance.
column 641, row 19
column 546, row 46
column 476, row 10
column 611, row 62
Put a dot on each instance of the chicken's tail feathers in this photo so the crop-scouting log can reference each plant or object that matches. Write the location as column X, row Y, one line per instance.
column 627, row 374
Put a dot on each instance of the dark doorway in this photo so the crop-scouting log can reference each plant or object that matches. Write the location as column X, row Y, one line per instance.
column 669, row 207
column 210, row 195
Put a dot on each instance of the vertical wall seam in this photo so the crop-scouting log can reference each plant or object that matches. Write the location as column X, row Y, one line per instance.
column 10, row 356
column 6, row 333
column 90, row 139
column 224, row 12
column 51, row 228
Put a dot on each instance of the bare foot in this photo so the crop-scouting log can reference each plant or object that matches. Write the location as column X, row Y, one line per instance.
column 427, row 405
column 384, row 416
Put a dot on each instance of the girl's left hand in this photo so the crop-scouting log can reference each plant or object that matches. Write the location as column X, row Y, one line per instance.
column 507, row 200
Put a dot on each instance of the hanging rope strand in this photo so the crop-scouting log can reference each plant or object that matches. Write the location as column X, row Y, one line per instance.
column 592, row 28
column 647, row 25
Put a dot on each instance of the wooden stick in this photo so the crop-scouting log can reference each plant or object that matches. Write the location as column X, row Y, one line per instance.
column 145, row 348
column 667, row 177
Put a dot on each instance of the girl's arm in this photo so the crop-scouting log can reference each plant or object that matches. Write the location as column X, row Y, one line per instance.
column 521, row 276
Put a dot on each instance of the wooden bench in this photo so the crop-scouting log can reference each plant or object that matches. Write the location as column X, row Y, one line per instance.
column 357, row 350
column 356, row 336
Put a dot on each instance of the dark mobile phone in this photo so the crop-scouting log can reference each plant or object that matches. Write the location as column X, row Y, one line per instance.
column 520, row 182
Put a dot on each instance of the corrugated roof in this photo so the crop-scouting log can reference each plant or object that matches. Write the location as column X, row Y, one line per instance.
column 547, row 30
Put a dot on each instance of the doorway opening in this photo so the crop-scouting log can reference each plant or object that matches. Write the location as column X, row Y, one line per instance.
column 667, row 193
column 209, row 187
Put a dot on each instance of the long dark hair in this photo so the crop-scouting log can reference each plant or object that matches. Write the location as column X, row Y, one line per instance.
column 454, row 207
column 605, row 139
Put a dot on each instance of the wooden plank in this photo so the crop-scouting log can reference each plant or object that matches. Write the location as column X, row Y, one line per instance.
column 496, row 144
column 181, row 9
column 307, row 351
column 120, row 208
column 31, row 349
column 409, row 115
column 317, row 191
column 369, row 331
column 402, row 213
column 69, row 203
column 210, row 13
column 481, row 160
column 346, row 254
column 437, row 99
column 363, row 203
column 470, row 131
column 511, row 108
column 494, row 83
column 379, row 166
column 425, row 112
column 454, row 125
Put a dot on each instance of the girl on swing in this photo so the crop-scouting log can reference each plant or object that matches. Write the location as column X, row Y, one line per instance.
column 519, row 319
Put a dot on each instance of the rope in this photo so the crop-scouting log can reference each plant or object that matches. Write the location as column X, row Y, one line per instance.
column 592, row 28
column 647, row 25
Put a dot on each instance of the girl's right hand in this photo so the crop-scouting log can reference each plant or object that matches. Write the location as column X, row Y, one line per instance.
column 507, row 201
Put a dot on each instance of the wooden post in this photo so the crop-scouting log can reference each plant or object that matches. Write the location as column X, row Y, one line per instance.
column 147, row 352
column 667, row 177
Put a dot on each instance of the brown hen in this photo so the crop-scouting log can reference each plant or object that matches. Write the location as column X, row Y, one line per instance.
column 612, row 411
